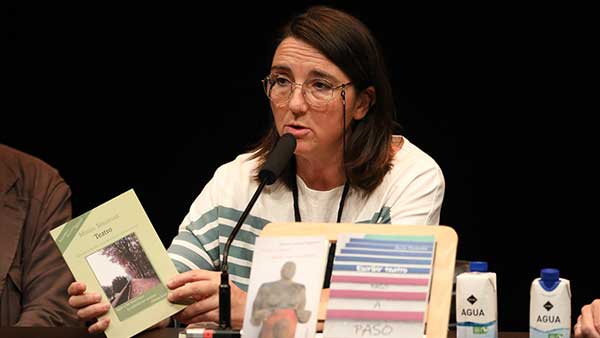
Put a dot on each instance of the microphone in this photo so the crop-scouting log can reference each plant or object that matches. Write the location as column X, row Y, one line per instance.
column 276, row 161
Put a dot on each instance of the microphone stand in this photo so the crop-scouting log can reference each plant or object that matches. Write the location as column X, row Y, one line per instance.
column 224, row 289
column 272, row 168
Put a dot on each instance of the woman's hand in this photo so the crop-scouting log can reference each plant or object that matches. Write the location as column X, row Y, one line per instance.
column 200, row 289
column 588, row 323
column 89, row 306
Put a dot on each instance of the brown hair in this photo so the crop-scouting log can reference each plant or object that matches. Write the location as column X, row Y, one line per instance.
column 349, row 44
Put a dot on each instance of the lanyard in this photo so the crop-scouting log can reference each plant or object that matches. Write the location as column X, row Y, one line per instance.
column 297, row 216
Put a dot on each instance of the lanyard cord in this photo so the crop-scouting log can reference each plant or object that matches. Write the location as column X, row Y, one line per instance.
column 297, row 216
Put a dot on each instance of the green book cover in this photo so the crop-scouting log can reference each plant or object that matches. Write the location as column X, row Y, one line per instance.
column 116, row 252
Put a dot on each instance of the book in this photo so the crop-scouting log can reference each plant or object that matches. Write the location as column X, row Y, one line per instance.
column 285, row 286
column 379, row 286
column 116, row 252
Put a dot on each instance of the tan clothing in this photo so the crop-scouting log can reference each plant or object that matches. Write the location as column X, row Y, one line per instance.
column 33, row 275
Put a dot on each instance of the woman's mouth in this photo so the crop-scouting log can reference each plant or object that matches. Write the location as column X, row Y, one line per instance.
column 296, row 130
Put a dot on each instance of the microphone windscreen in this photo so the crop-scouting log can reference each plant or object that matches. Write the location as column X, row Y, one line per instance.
column 278, row 159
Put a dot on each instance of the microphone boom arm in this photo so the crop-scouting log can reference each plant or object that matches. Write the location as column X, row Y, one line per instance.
column 277, row 160
column 224, row 288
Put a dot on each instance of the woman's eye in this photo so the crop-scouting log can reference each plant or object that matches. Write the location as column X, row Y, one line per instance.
column 321, row 85
column 282, row 81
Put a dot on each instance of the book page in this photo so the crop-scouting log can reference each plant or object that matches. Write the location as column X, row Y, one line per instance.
column 379, row 286
column 285, row 286
column 116, row 252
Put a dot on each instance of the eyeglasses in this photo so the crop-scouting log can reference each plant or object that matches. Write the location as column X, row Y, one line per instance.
column 317, row 92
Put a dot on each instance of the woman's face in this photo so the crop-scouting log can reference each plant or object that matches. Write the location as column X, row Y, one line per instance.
column 317, row 128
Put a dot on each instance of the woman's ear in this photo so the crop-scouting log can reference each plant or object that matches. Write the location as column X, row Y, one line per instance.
column 364, row 102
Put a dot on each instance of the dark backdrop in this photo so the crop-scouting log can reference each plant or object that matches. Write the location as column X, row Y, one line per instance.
column 155, row 98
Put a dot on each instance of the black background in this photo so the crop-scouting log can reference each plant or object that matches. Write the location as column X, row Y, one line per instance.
column 156, row 97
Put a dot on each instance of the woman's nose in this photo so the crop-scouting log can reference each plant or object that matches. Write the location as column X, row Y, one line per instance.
column 297, row 102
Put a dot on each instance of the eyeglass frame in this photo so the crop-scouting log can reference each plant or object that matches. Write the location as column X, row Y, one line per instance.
column 295, row 84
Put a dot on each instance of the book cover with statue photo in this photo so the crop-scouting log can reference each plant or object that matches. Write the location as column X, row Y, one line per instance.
column 116, row 252
column 285, row 287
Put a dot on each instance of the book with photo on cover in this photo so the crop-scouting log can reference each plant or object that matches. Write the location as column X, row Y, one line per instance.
column 285, row 286
column 116, row 252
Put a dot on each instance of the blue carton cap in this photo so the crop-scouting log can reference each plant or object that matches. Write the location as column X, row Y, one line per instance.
column 478, row 266
column 549, row 279
column 549, row 275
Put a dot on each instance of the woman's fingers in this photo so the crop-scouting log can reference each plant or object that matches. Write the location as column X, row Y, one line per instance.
column 212, row 316
column 192, row 291
column 595, row 309
column 191, row 276
column 585, row 324
column 99, row 326
column 89, row 306
column 201, row 308
column 84, row 300
column 577, row 328
column 199, row 288
column 76, row 288
column 93, row 311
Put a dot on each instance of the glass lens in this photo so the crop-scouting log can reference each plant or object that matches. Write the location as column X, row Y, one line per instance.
column 277, row 88
column 319, row 89
column 317, row 92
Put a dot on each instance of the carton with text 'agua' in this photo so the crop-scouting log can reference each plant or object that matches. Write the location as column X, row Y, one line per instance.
column 550, row 306
column 476, row 303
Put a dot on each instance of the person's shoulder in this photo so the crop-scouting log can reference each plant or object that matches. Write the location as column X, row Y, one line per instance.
column 16, row 165
column 242, row 166
column 410, row 163
column 12, row 157
column 411, row 156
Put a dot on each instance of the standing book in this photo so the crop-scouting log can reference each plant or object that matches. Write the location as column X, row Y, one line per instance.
column 116, row 252
column 379, row 286
column 285, row 286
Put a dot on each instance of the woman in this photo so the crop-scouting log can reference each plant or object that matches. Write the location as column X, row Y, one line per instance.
column 327, row 86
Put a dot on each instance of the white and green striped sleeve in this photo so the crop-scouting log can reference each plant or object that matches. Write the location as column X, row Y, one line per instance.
column 196, row 245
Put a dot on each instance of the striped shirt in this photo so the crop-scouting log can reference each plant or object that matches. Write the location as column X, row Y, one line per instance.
column 411, row 193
